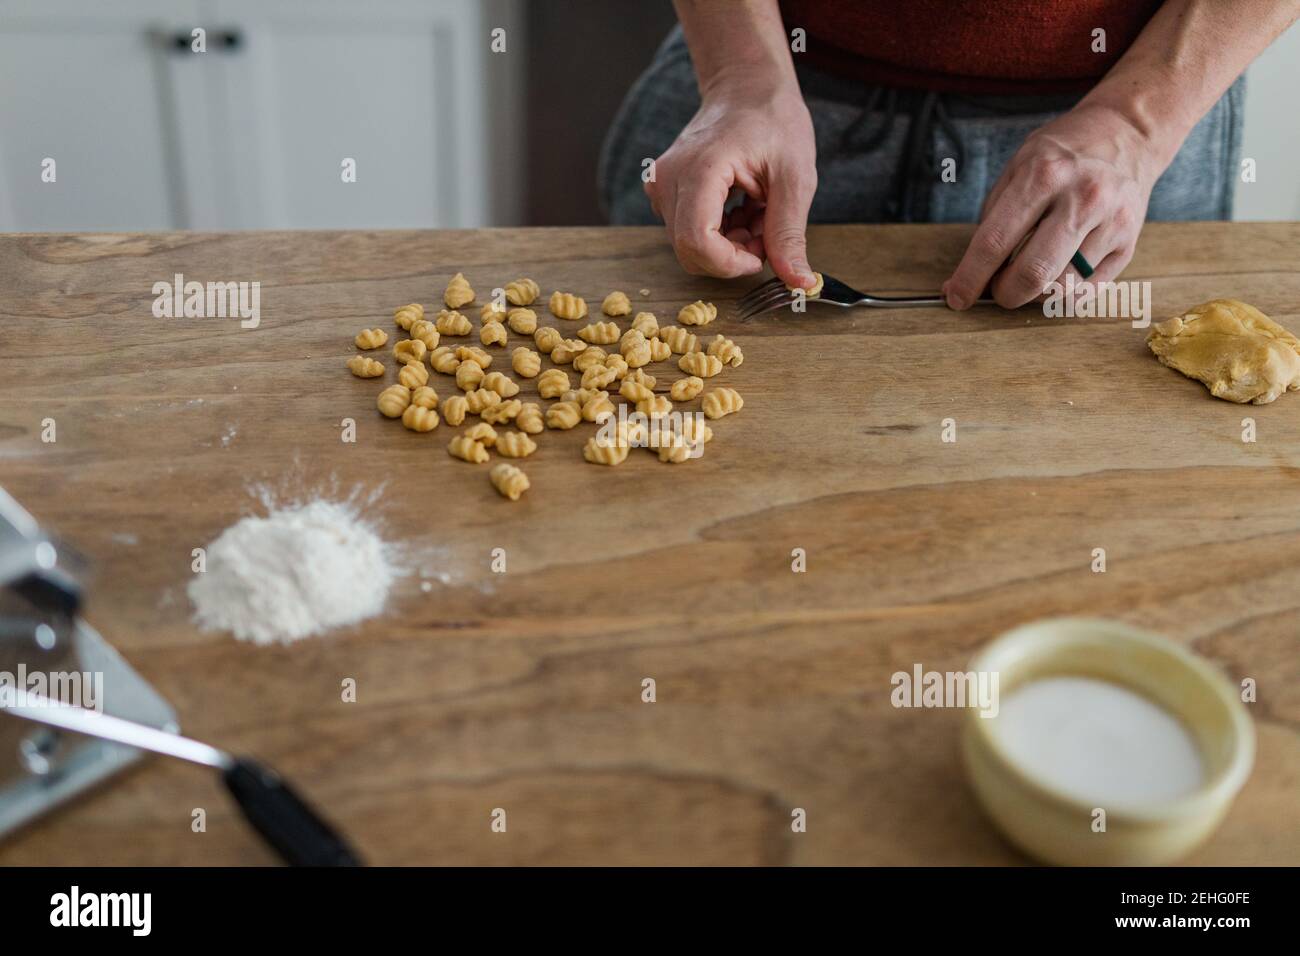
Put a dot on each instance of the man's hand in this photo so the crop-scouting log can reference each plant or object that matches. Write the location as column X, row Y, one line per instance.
column 1082, row 182
column 761, row 143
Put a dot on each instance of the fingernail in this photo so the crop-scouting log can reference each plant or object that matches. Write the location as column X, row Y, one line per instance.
column 955, row 301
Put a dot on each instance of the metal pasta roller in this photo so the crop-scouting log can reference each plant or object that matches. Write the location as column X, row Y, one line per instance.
column 47, row 648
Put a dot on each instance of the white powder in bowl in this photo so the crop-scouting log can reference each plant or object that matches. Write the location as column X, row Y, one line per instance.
column 300, row 571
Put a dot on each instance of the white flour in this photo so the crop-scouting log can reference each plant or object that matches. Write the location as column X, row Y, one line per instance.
column 299, row 571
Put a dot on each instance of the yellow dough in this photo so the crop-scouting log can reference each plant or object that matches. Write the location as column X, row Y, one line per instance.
column 1238, row 352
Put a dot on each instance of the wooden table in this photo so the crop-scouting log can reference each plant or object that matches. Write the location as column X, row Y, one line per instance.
column 522, row 690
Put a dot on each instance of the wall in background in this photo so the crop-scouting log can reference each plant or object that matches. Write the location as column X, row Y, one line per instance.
column 1272, row 133
column 445, row 133
column 583, row 56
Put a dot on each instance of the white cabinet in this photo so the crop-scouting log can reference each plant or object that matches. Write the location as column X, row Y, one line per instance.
column 254, row 132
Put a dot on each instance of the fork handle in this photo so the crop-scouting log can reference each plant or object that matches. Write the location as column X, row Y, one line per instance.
column 909, row 301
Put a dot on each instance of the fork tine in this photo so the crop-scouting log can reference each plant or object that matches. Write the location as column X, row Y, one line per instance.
column 775, row 299
column 758, row 292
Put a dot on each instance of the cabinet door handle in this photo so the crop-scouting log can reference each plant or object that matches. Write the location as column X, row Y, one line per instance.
column 221, row 40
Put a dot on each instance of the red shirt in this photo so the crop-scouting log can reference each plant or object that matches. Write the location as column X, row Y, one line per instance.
column 968, row 46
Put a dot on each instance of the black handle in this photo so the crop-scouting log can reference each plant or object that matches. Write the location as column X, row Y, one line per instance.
column 284, row 819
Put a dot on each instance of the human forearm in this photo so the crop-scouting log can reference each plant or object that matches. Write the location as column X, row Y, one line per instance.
column 1183, row 61
column 737, row 45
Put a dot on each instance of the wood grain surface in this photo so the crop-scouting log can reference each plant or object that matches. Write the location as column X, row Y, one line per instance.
column 523, row 690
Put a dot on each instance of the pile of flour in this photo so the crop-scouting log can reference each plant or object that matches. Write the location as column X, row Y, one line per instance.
column 301, row 570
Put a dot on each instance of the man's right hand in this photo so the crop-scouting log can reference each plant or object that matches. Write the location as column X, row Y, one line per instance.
column 762, row 144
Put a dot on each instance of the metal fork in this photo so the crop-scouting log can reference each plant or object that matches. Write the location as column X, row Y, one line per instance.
column 773, row 294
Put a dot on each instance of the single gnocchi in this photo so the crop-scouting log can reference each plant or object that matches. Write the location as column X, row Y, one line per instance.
column 598, row 376
column 700, row 364
column 590, row 356
column 502, row 384
column 426, row 332
column 654, row 405
column 458, row 293
column 472, row 353
column 635, row 391
column 452, row 323
column 408, row 315
column 494, row 333
column 454, row 410
column 444, row 360
column 618, row 364
column 819, row 282
column 515, row 445
column 424, row 397
column 492, row 313
column 600, row 453
column 697, row 313
column 566, row 305
column 567, row 351
column 509, row 481
column 553, row 382
column 635, row 349
column 393, row 400
column 597, row 408
column 598, row 333
column 413, row 376
column 522, row 292
column 420, row 419
column 525, row 362
column 469, row 376
column 363, row 366
column 502, row 412
column 678, row 339
column 616, row 303
column 646, row 323
column 659, row 350
column 563, row 415
column 409, row 351
column 522, row 321
column 642, row 376
column 547, row 338
column 530, row 418
column 371, row 339
column 483, row 433
column 726, row 350
column 467, row 449
column 722, row 401
column 480, row 399
column 684, row 389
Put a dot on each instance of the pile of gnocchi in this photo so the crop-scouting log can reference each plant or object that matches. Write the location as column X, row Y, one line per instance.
column 491, row 394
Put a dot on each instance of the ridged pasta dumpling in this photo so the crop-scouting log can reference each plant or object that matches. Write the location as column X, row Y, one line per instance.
column 509, row 481
column 458, row 292
column 419, row 419
column 722, row 401
column 363, row 366
column 393, row 400
column 598, row 333
column 726, row 350
column 697, row 313
column 452, row 323
column 408, row 315
column 566, row 305
column 616, row 303
column 515, row 445
column 700, row 364
column 522, row 292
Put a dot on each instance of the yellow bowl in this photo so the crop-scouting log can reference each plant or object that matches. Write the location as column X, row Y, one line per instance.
column 1056, row 827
